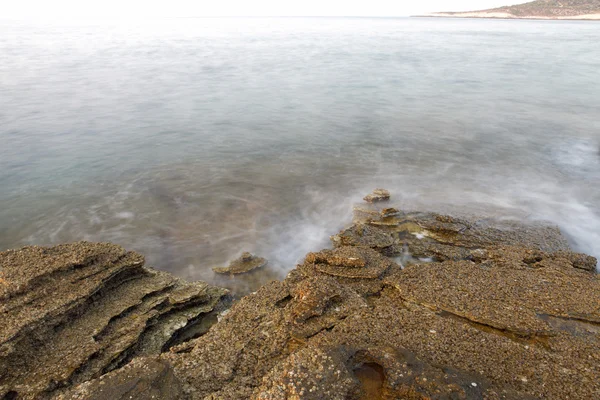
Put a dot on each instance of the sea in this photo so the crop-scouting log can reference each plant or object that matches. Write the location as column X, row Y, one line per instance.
column 192, row 140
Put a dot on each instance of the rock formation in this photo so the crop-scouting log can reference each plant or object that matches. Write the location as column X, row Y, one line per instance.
column 245, row 263
column 74, row 312
column 378, row 195
column 422, row 306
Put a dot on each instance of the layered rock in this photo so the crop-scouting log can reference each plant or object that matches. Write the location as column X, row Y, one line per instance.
column 405, row 306
column 377, row 196
column 73, row 312
column 498, row 310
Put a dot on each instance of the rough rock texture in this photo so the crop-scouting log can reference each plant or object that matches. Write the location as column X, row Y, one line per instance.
column 73, row 312
column 142, row 379
column 245, row 263
column 378, row 195
column 424, row 307
column 499, row 311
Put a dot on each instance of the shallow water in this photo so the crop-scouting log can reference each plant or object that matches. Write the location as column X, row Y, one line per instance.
column 192, row 140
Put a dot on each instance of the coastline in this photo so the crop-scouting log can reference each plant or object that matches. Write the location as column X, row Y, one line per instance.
column 485, row 15
column 403, row 303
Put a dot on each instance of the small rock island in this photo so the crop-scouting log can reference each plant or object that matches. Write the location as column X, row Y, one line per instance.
column 404, row 305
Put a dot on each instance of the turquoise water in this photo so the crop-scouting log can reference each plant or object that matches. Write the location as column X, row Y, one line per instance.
column 192, row 140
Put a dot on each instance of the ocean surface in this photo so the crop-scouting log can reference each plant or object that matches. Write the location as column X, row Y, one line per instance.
column 192, row 140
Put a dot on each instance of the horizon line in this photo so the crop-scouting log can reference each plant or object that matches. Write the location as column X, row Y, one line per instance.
column 76, row 17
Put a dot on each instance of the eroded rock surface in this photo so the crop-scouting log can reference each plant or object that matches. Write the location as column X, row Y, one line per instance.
column 496, row 312
column 142, row 379
column 421, row 306
column 74, row 312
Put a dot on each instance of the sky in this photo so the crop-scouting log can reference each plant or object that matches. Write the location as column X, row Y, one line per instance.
column 209, row 8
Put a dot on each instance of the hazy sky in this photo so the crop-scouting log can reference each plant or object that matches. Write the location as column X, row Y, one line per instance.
column 181, row 8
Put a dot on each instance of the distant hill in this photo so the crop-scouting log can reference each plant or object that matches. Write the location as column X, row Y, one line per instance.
column 540, row 9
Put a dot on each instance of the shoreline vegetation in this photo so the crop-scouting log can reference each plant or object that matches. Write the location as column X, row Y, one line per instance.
column 582, row 10
column 403, row 305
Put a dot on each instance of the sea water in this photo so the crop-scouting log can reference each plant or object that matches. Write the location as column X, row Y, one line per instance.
column 193, row 140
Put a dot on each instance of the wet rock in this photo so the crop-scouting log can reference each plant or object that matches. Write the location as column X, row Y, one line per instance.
column 245, row 263
column 419, row 249
column 578, row 260
column 350, row 262
column 390, row 212
column 493, row 320
column 363, row 236
column 74, row 312
column 390, row 372
column 365, row 212
column 377, row 196
column 346, row 257
column 387, row 222
column 502, row 311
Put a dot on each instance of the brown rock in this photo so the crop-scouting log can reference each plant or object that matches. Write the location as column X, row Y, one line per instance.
column 73, row 312
column 504, row 312
column 377, row 196
column 578, row 260
column 311, row 374
column 245, row 263
column 142, row 379
column 390, row 212
column 373, row 264
column 348, row 257
column 363, row 236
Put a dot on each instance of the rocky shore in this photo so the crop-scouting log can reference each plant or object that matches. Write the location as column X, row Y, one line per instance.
column 405, row 305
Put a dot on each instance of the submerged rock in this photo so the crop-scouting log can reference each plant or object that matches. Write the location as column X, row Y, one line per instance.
column 377, row 196
column 245, row 263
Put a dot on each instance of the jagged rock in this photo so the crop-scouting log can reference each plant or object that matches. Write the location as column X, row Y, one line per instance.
column 74, row 312
column 245, row 263
column 503, row 311
column 493, row 320
column 377, row 196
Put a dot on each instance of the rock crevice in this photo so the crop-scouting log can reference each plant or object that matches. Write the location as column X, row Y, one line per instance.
column 405, row 305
